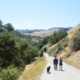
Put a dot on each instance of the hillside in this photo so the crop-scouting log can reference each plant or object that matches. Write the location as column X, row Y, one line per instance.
column 40, row 33
column 64, row 48
column 73, row 31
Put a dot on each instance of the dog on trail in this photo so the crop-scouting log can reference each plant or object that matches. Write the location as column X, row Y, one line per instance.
column 48, row 69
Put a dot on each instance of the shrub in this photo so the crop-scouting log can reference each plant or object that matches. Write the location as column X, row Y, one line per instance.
column 31, row 53
column 58, row 47
column 57, row 36
column 41, row 52
column 75, row 43
column 45, row 49
column 9, row 73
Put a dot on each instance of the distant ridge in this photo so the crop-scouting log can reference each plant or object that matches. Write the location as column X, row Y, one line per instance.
column 30, row 31
column 38, row 30
column 60, row 28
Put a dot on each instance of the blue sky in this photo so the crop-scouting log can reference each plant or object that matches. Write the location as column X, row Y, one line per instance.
column 40, row 14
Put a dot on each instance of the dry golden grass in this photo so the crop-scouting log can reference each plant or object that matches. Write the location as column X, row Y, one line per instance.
column 33, row 70
column 72, row 31
column 74, row 59
column 50, row 49
column 65, row 53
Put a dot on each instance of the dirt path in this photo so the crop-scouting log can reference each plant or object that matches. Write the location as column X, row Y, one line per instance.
column 69, row 73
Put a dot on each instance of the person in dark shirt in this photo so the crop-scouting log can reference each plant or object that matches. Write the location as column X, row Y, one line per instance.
column 60, row 64
column 55, row 62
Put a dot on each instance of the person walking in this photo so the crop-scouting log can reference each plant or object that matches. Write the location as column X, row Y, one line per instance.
column 55, row 62
column 60, row 64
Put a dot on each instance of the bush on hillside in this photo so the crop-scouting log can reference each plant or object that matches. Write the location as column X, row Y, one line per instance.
column 9, row 27
column 41, row 52
column 75, row 43
column 15, row 51
column 31, row 53
column 9, row 73
column 7, row 48
column 58, row 47
column 57, row 36
column 42, row 42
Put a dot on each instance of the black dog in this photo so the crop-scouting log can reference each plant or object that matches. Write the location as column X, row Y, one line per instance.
column 48, row 69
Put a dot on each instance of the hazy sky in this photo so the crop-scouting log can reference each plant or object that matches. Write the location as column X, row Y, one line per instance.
column 30, row 14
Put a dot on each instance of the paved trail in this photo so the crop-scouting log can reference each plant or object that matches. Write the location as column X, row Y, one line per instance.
column 69, row 73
